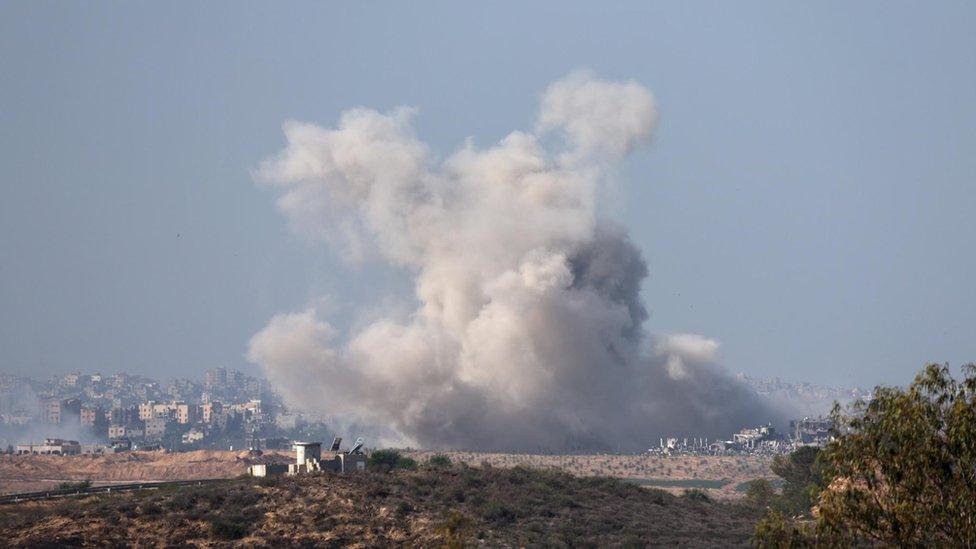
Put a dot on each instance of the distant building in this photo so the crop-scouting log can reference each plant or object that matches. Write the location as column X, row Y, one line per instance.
column 812, row 431
column 56, row 411
column 752, row 438
column 155, row 428
column 211, row 411
column 90, row 415
column 146, row 410
column 185, row 413
column 97, row 449
column 51, row 411
column 123, row 416
column 51, row 446
column 121, row 445
column 288, row 421
column 216, row 378
column 19, row 417
column 191, row 436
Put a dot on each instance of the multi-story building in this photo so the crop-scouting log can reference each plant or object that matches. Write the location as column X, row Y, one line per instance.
column 51, row 411
column 146, row 410
column 185, row 413
column 211, row 411
column 155, row 428
column 90, row 415
column 216, row 378
column 123, row 416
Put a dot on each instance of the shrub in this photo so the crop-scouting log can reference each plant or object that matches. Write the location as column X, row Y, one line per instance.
column 775, row 531
column 406, row 463
column 404, row 508
column 439, row 461
column 75, row 485
column 759, row 492
column 229, row 526
column 456, row 530
column 385, row 460
column 495, row 511
column 695, row 494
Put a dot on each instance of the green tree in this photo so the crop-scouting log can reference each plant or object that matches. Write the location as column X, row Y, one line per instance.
column 760, row 492
column 802, row 480
column 902, row 470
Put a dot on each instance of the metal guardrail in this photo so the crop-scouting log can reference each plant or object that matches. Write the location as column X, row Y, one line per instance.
column 71, row 492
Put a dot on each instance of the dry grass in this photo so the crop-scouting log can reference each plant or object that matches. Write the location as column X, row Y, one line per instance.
column 734, row 469
column 429, row 507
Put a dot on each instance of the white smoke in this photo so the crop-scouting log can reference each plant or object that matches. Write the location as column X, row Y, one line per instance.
column 529, row 331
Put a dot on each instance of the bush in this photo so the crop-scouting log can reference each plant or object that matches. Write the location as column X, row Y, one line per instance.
column 456, row 530
column 695, row 494
column 495, row 511
column 229, row 526
column 75, row 485
column 776, row 530
column 759, row 492
column 439, row 461
column 404, row 508
column 385, row 460
column 406, row 463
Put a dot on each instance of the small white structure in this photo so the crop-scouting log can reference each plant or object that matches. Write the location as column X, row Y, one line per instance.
column 263, row 470
column 307, row 457
column 305, row 451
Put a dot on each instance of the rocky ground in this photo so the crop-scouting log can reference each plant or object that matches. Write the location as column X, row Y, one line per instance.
column 429, row 506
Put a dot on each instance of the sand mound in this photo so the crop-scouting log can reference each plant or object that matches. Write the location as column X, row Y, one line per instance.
column 135, row 466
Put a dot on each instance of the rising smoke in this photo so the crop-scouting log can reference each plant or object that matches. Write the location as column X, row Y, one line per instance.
column 529, row 331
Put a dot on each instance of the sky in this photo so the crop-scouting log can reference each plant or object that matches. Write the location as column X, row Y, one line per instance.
column 807, row 200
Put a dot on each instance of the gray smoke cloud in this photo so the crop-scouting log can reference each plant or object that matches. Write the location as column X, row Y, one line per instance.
column 529, row 330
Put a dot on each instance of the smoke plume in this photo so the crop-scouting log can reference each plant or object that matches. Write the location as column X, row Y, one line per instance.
column 528, row 334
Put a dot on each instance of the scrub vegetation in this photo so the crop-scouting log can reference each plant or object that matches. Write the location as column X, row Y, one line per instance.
column 431, row 504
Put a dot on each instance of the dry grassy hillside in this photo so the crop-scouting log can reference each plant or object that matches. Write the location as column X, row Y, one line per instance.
column 733, row 469
column 25, row 473
column 425, row 507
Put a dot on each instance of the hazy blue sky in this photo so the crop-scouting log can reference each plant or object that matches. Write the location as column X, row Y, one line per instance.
column 809, row 199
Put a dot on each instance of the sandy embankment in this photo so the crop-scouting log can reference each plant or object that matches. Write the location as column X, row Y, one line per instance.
column 22, row 473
